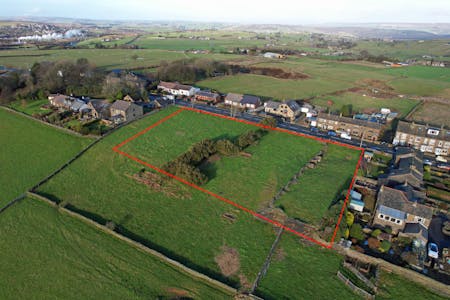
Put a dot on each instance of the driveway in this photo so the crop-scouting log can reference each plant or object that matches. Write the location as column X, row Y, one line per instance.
column 435, row 234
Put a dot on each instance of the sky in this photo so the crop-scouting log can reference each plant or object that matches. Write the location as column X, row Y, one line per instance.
column 299, row 12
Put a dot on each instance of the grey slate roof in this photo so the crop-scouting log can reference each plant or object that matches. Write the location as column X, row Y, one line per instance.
column 248, row 99
column 272, row 104
column 422, row 130
column 121, row 105
column 293, row 105
column 392, row 212
column 396, row 199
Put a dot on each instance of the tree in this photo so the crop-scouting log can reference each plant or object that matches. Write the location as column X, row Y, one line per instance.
column 269, row 121
column 356, row 232
column 347, row 110
column 226, row 147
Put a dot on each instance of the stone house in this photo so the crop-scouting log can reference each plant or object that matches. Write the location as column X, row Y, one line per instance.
column 124, row 111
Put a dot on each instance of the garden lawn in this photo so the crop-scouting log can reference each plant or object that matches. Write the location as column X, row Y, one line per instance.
column 249, row 181
column 31, row 107
column 298, row 271
column 30, row 151
column 191, row 228
column 309, row 199
column 47, row 254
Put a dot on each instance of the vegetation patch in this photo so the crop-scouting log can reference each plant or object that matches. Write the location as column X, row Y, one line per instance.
column 228, row 261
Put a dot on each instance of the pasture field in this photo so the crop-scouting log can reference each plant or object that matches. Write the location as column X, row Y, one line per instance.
column 189, row 226
column 435, row 113
column 103, row 58
column 312, row 275
column 249, row 181
column 267, row 86
column 175, row 223
column 318, row 188
column 30, row 151
column 366, row 104
column 49, row 254
column 406, row 49
column 303, row 272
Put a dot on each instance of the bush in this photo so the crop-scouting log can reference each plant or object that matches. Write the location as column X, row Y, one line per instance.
column 376, row 233
column 269, row 121
column 346, row 233
column 385, row 246
column 373, row 243
column 349, row 218
column 225, row 147
column 388, row 230
column 356, row 232
column 248, row 138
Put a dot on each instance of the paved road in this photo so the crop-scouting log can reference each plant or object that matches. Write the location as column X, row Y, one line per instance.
column 288, row 126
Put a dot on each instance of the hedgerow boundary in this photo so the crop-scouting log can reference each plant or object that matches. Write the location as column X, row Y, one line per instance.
column 228, row 201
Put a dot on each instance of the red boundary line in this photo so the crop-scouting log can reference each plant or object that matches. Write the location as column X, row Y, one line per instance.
column 228, row 201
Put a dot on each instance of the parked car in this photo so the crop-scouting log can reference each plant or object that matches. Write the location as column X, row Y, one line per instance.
column 346, row 136
column 427, row 162
column 314, row 129
column 433, row 250
column 332, row 133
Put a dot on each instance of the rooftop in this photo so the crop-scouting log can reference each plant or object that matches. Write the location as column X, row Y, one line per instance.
column 424, row 130
column 350, row 121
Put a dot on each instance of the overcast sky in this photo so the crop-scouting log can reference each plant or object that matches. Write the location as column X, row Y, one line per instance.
column 243, row 11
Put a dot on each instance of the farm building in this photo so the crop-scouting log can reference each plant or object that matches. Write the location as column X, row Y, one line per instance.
column 177, row 89
column 273, row 55
column 124, row 111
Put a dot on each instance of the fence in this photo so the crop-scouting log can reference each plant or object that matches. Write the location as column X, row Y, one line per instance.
column 353, row 287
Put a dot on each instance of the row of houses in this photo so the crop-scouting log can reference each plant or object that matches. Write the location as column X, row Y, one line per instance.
column 118, row 112
column 426, row 138
column 352, row 126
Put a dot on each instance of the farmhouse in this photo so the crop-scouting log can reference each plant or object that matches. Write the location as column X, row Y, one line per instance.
column 423, row 137
column 359, row 128
column 124, row 111
column 288, row 109
column 99, row 109
column 207, row 97
column 176, row 89
column 396, row 210
column 60, row 101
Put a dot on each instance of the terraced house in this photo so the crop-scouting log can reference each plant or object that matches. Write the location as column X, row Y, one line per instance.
column 355, row 127
column 423, row 137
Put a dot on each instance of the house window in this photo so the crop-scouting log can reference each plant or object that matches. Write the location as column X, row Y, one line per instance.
column 392, row 220
column 398, row 221
column 386, row 218
column 381, row 216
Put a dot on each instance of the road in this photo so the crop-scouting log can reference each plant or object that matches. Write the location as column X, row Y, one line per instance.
column 287, row 126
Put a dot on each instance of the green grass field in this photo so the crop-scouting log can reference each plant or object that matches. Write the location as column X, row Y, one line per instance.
column 317, row 188
column 191, row 228
column 31, row 107
column 48, row 254
column 30, row 151
column 249, row 181
column 298, row 271
column 366, row 104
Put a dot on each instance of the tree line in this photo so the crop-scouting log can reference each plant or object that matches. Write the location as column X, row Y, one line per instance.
column 187, row 165
column 78, row 77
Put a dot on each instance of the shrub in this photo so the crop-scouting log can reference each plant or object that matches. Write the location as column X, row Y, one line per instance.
column 385, row 246
column 346, row 233
column 376, row 233
column 349, row 218
column 248, row 138
column 269, row 121
column 356, row 232
column 226, row 147
column 388, row 230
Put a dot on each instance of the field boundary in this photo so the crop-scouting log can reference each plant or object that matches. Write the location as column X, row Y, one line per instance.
column 148, row 250
column 228, row 201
